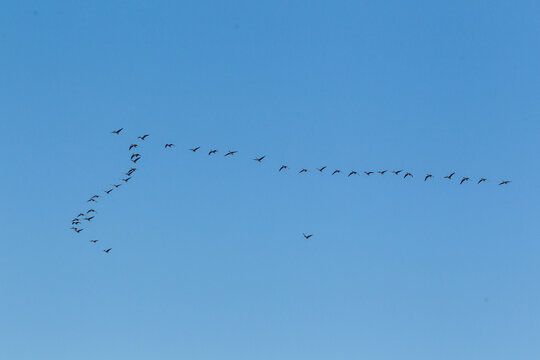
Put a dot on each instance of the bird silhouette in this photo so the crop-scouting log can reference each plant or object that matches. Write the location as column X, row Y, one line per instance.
column 449, row 177
column 94, row 241
column 428, row 176
column 108, row 191
column 408, row 174
column 397, row 172
column 135, row 155
column 81, row 214
column 75, row 222
column 505, row 182
column 78, row 230
column 88, row 218
column 108, row 250
column 283, row 167
column 368, row 172
column 211, row 152
column 382, row 172
column 464, row 179
column 126, row 179
column 352, row 173
column 230, row 153
column 195, row 149
column 133, row 146
column 321, row 169
column 117, row 132
column 117, row 186
column 95, row 196
column 260, row 159
column 168, row 146
column 135, row 160
column 307, row 236
column 303, row 171
column 92, row 200
column 144, row 136
column 336, row 172
column 482, row 180
column 91, row 211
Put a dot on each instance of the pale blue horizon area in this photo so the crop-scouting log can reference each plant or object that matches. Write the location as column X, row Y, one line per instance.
column 208, row 260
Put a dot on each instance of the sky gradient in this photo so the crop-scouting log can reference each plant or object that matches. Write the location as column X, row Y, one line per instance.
column 208, row 258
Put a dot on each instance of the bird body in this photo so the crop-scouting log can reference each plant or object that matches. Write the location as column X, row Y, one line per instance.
column 352, row 173
column 382, row 172
column 283, row 167
column 117, row 132
column 108, row 250
column 368, row 172
column 397, row 172
column 321, row 169
column 307, row 236
column 211, row 152
column 231, row 153
column 408, row 174
column 505, row 182
column 336, row 172
column 168, row 146
column 133, row 146
column 449, row 177
column 144, row 136
column 303, row 171
column 195, row 149
column 260, row 159
column 463, row 180
column 428, row 176
column 482, row 180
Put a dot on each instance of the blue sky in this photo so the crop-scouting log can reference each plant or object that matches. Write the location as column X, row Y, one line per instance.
column 208, row 258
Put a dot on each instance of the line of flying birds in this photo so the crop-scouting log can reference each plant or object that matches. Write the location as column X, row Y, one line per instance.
column 89, row 214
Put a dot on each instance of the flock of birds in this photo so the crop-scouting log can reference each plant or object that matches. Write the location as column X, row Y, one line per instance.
column 88, row 215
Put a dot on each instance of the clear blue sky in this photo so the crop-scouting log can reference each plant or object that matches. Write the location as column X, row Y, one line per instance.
column 208, row 258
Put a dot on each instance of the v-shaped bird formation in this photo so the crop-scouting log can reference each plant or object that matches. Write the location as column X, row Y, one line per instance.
column 89, row 214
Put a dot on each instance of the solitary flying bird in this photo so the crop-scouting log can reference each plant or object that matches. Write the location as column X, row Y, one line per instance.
column 303, row 170
column 260, row 159
column 352, row 173
column 321, row 169
column 144, row 136
column 307, row 236
column 505, row 182
column 94, row 241
column 428, row 176
column 408, row 174
column 230, row 153
column 464, row 179
column 449, row 176
column 336, row 172
column 283, row 167
column 195, row 149
column 133, row 146
column 368, row 172
column 397, row 172
column 212, row 152
column 169, row 145
column 108, row 250
column 482, row 180
column 117, row 132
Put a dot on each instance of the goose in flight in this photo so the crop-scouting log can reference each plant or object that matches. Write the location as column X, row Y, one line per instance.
column 352, row 173
column 108, row 191
column 168, row 146
column 230, row 153
column 135, row 160
column 464, row 179
column 91, row 211
column 144, row 136
column 108, row 250
column 195, row 149
column 117, row 186
column 131, row 171
column 126, row 179
column 283, row 167
column 75, row 222
column 117, row 132
column 449, row 177
column 91, row 200
column 260, row 159
column 133, row 146
column 321, row 169
column 482, row 180
column 135, row 155
column 428, row 176
column 94, row 241
column 88, row 218
column 307, row 236
column 81, row 214
column 505, row 182
column 212, row 152
column 78, row 230
column 382, row 172
column 368, row 172
column 336, row 172
column 397, row 172
column 303, row 171
column 408, row 174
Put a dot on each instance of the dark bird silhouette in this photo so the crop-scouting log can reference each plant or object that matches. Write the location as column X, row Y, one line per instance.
column 260, row 159
column 135, row 155
column 303, row 171
column 211, row 152
column 135, row 160
column 368, row 172
column 75, row 222
column 117, row 132
column 307, row 236
column 73, row 228
column 336, row 172
column 88, row 218
column 131, row 171
column 283, row 167
column 78, row 230
column 94, row 241
column 91, row 211
column 230, row 153
column 108, row 191
column 505, row 182
column 133, row 146
column 117, row 186
column 464, row 179
column 81, row 214
column 382, row 172
column 352, row 173
column 95, row 197
column 397, row 172
column 408, row 174
column 144, row 136
column 428, row 176
column 482, row 180
column 126, row 179
column 195, row 149
column 108, row 250
column 321, row 169
column 168, row 146
column 91, row 200
column 449, row 177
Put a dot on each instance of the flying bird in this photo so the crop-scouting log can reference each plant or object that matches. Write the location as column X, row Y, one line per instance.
column 260, row 159
column 428, row 176
column 336, row 172
column 135, row 160
column 397, row 172
column 482, row 180
column 91, row 211
column 91, row 200
column 449, row 177
column 230, row 153
column 94, row 241
column 505, row 182
column 307, row 236
column 133, row 146
column 81, row 214
column 352, row 173
column 88, row 218
column 78, row 230
column 408, row 174
column 464, row 179
column 108, row 191
column 144, row 136
column 117, row 132
column 303, row 171
column 169, row 145
column 75, row 222
column 108, row 250
column 283, row 167
column 117, row 186
column 195, row 149
column 368, row 172
column 382, row 172
column 211, row 152
column 95, row 196
column 135, row 155
column 126, row 179
column 321, row 169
